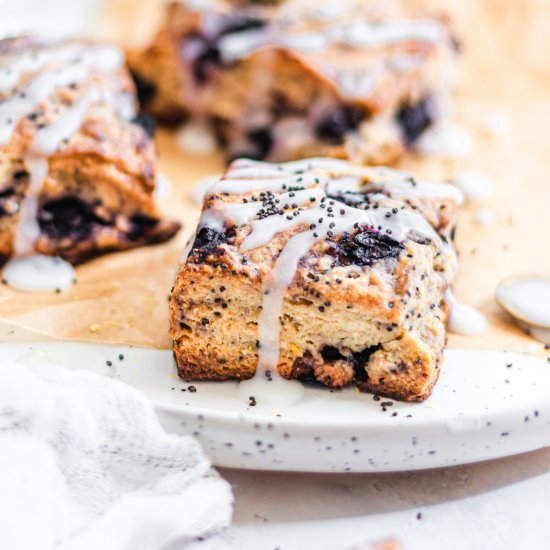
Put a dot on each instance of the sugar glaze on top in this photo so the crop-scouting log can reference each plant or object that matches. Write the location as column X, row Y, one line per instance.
column 27, row 80
column 304, row 185
column 349, row 25
column 310, row 30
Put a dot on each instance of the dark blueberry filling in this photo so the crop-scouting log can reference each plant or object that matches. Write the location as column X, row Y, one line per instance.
column 453, row 233
column 240, row 24
column 8, row 206
column 330, row 354
column 146, row 90
column 207, row 242
column 281, row 106
column 208, row 59
column 72, row 218
column 147, row 122
column 310, row 379
column 140, row 225
column 208, row 238
column 414, row 119
column 261, row 141
column 335, row 126
column 20, row 175
column 303, row 367
column 67, row 217
column 360, row 360
column 220, row 127
column 364, row 248
column 456, row 44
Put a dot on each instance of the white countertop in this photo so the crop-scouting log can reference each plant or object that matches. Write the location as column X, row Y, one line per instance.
column 501, row 504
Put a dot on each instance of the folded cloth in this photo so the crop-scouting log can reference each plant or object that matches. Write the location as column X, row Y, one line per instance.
column 85, row 464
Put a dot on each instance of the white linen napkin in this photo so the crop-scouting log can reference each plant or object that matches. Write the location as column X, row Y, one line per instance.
column 85, row 465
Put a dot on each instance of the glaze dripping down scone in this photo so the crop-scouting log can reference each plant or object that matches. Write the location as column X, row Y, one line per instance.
column 77, row 165
column 287, row 80
column 323, row 270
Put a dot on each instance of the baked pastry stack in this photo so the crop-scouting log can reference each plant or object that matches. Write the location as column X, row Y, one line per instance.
column 319, row 270
column 77, row 166
column 287, row 80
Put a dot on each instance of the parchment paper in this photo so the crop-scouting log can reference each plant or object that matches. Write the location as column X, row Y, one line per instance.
column 505, row 72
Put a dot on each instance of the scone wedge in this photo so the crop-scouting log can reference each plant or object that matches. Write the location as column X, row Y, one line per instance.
column 77, row 163
column 322, row 270
column 277, row 81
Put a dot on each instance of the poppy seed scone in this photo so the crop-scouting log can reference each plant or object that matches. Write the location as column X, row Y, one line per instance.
column 286, row 80
column 322, row 271
column 77, row 164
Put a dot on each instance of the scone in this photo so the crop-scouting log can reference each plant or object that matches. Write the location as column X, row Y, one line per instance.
column 287, row 80
column 77, row 164
column 319, row 270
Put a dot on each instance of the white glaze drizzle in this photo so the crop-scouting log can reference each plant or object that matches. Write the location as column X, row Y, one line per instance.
column 484, row 216
column 498, row 123
column 246, row 176
column 49, row 138
column 40, row 87
column 72, row 64
column 38, row 272
column 355, row 34
column 304, row 41
column 197, row 138
column 163, row 187
column 411, row 189
column 31, row 62
column 202, row 186
column 464, row 319
column 28, row 231
column 398, row 225
column 274, row 287
column 353, row 28
column 106, row 58
column 474, row 185
column 398, row 183
column 365, row 34
column 444, row 140
column 355, row 82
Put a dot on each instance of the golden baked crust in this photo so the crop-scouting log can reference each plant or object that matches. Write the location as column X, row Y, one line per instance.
column 354, row 79
column 68, row 119
column 365, row 303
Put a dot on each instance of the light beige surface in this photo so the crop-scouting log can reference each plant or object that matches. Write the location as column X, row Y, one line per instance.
column 286, row 496
column 123, row 297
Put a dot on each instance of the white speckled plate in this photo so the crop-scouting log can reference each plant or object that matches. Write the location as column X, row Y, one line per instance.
column 485, row 405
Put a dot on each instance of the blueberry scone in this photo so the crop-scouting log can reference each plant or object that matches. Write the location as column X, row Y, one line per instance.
column 287, row 80
column 319, row 270
column 77, row 166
